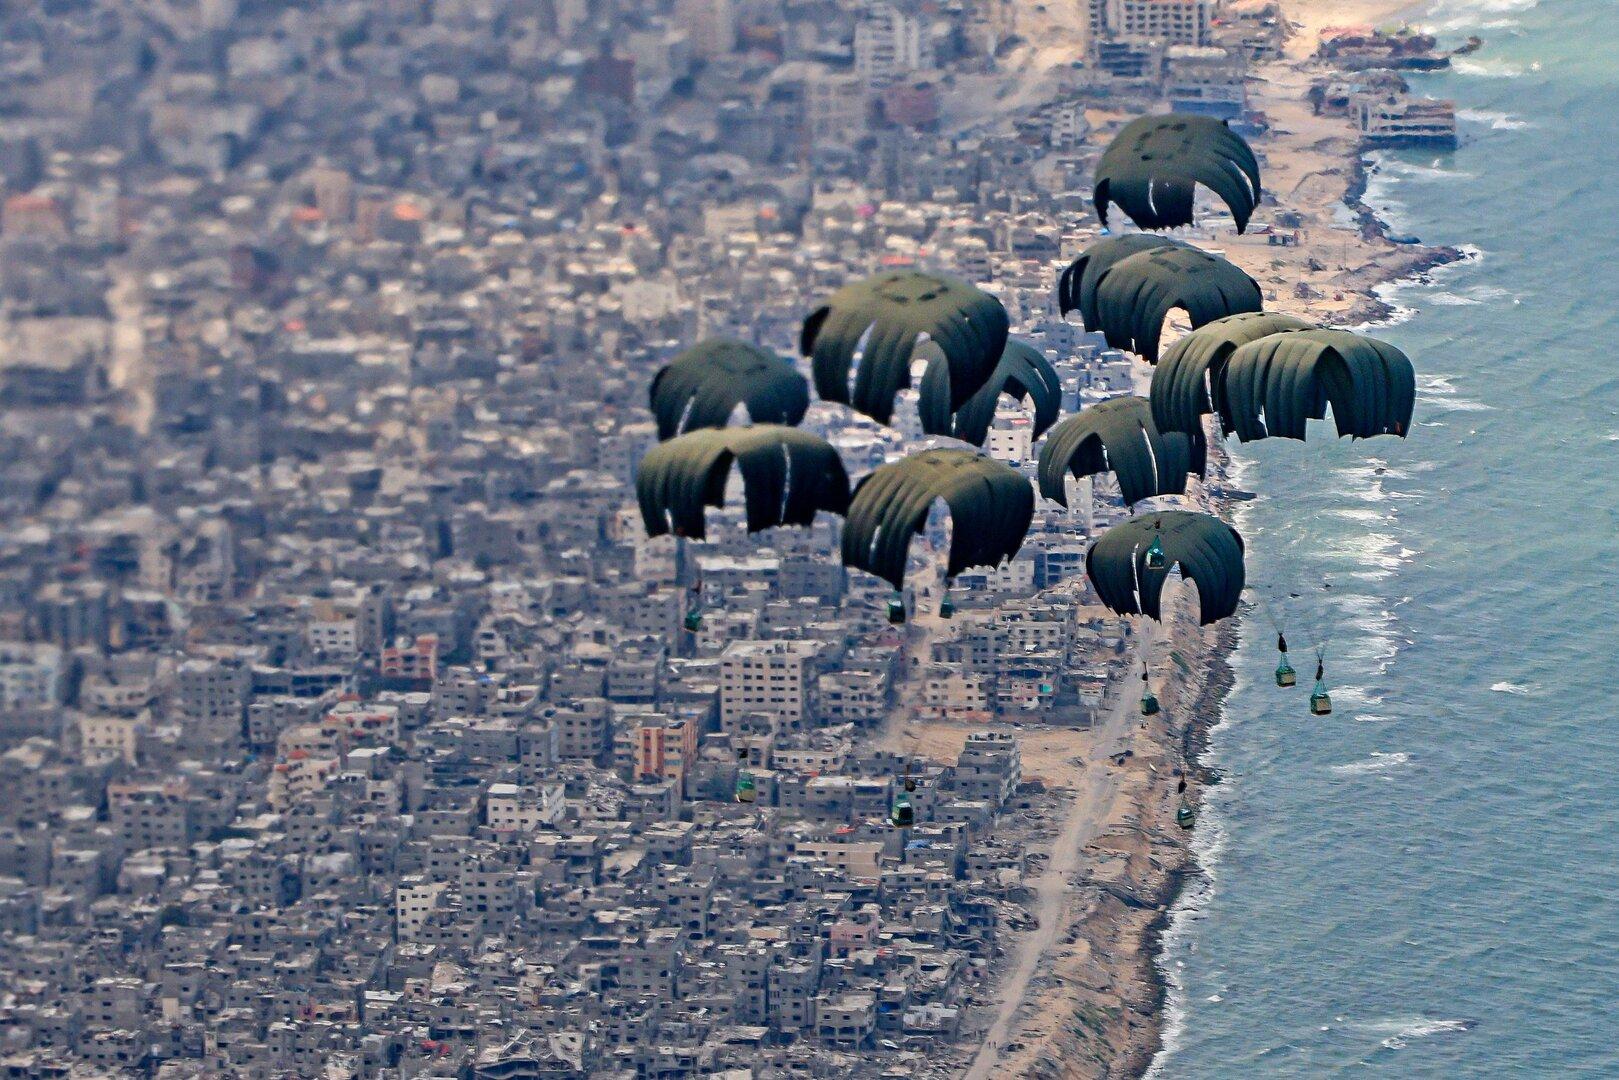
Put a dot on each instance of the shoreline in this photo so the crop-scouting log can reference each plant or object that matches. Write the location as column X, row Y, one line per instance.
column 1363, row 282
column 1100, row 1005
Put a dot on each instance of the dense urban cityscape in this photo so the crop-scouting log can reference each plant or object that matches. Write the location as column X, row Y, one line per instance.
column 351, row 726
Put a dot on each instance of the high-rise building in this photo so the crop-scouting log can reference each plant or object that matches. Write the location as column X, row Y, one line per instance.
column 767, row 678
column 834, row 108
column 1169, row 22
column 149, row 815
column 30, row 675
column 665, row 750
column 888, row 44
column 213, row 698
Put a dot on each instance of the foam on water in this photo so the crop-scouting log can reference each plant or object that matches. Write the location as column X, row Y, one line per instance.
column 1405, row 1031
column 1439, row 848
column 1378, row 762
column 1484, row 69
column 1474, row 16
column 1497, row 121
column 1197, row 891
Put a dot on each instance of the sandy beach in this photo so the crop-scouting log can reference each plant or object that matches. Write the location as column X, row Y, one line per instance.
column 1311, row 17
column 1079, row 995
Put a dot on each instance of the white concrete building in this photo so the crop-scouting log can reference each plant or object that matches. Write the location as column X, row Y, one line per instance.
column 414, row 900
column 1011, row 437
column 834, row 108
column 769, row 678
column 1171, row 22
column 888, row 44
column 104, row 739
column 30, row 675
column 511, row 808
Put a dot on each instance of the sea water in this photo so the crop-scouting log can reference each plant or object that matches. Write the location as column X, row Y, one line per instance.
column 1426, row 882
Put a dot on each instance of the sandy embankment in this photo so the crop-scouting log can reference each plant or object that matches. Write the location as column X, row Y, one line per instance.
column 1084, row 998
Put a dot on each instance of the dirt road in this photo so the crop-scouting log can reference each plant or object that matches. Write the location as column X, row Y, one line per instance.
column 1083, row 816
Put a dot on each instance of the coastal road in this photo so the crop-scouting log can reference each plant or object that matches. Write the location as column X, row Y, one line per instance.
column 1081, row 821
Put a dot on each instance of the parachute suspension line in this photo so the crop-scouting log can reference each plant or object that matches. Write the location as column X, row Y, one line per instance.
column 1320, row 700
column 693, row 620
column 1149, row 701
column 1156, row 559
column 1266, row 609
column 746, row 789
column 1185, row 816
column 903, row 814
column 1285, row 675
column 1322, row 630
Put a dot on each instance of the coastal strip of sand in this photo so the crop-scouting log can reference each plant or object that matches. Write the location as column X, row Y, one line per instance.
column 1080, row 994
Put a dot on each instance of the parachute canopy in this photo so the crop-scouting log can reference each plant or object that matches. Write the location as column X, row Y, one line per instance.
column 1076, row 287
column 1273, row 385
column 1152, row 168
column 990, row 504
column 702, row 386
column 1119, row 436
column 787, row 475
column 1208, row 551
column 1135, row 294
column 1192, row 368
column 882, row 318
column 1023, row 372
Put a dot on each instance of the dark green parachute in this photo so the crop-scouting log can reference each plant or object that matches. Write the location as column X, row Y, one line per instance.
column 1273, row 385
column 1190, row 371
column 702, row 386
column 891, row 312
column 990, row 505
column 1208, row 551
column 1119, row 436
column 787, row 475
column 1023, row 372
column 1136, row 293
column 1152, row 168
column 1076, row 287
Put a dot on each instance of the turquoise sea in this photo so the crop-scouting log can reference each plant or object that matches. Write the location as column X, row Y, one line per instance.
column 1426, row 883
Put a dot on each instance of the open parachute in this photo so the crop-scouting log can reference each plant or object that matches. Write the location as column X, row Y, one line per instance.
column 883, row 319
column 1119, row 436
column 1023, row 373
column 1129, row 564
column 788, row 476
column 1076, row 286
column 1265, row 375
column 1187, row 382
column 1152, row 168
column 702, row 387
column 1262, row 374
column 990, row 505
column 1127, row 290
column 1271, row 386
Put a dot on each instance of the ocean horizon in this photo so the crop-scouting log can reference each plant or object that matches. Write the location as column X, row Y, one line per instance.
column 1423, row 884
